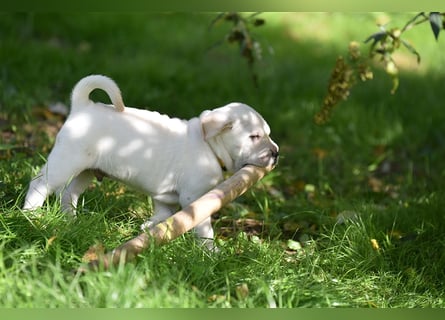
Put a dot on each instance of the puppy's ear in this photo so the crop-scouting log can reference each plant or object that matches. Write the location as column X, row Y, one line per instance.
column 215, row 122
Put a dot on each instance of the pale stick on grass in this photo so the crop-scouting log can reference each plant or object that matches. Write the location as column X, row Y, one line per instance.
column 183, row 220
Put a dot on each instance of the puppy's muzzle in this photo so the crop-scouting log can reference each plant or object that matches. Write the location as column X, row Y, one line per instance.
column 274, row 156
column 270, row 158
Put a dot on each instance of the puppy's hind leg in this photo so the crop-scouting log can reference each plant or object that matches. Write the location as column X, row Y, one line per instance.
column 54, row 176
column 38, row 190
column 71, row 194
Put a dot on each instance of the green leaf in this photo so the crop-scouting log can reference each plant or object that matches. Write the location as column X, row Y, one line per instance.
column 411, row 49
column 395, row 83
column 376, row 37
column 258, row 22
column 436, row 23
column 218, row 18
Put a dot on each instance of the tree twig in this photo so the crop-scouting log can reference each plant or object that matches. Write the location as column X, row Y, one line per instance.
column 183, row 220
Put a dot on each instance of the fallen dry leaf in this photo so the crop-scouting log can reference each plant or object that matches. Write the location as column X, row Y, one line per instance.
column 242, row 291
column 375, row 244
column 94, row 252
column 319, row 153
column 50, row 241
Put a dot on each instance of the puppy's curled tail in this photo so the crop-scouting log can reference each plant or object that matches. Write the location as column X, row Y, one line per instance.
column 81, row 92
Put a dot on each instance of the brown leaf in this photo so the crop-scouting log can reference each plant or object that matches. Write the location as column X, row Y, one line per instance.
column 375, row 244
column 51, row 240
column 320, row 153
column 242, row 291
column 375, row 184
column 216, row 298
column 291, row 226
column 94, row 253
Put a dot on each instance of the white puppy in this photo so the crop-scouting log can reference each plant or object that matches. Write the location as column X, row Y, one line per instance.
column 175, row 161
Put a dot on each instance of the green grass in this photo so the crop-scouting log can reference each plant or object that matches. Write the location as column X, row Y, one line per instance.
column 378, row 164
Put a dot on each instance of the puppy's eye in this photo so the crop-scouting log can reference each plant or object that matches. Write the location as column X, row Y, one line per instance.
column 254, row 137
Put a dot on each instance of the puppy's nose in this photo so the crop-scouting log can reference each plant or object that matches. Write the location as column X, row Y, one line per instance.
column 275, row 155
column 275, row 148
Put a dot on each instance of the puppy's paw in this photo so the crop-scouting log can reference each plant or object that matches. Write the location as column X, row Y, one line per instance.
column 209, row 244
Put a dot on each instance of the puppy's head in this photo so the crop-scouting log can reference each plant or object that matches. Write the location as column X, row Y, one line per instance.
column 239, row 136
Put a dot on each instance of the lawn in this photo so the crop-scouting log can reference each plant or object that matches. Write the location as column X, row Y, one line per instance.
column 351, row 217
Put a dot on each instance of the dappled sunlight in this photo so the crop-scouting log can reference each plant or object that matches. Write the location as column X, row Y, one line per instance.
column 132, row 147
column 322, row 30
column 79, row 127
column 174, row 161
column 105, row 145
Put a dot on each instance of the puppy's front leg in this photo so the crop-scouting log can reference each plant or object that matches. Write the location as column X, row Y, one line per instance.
column 161, row 211
column 71, row 194
column 205, row 233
